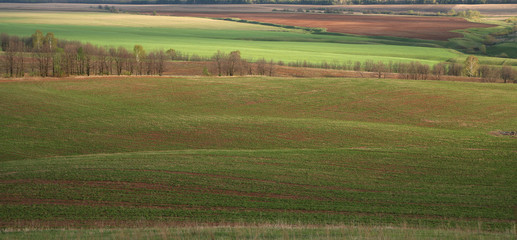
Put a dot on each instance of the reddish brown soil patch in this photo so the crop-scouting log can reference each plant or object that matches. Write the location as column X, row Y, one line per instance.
column 431, row 28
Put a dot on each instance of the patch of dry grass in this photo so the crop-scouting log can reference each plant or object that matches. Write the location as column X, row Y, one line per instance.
column 125, row 20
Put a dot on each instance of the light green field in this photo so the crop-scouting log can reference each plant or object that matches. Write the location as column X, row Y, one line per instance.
column 125, row 20
column 149, row 151
column 204, row 37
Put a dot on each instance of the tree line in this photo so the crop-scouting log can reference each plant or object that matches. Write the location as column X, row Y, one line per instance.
column 418, row 71
column 45, row 55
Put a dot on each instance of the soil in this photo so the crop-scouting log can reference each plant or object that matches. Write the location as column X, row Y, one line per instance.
column 430, row 28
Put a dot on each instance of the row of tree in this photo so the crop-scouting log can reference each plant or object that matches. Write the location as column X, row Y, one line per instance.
column 224, row 64
column 45, row 55
column 416, row 70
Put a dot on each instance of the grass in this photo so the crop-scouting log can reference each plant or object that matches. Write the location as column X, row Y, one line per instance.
column 474, row 38
column 144, row 151
column 204, row 37
column 193, row 105
column 278, row 231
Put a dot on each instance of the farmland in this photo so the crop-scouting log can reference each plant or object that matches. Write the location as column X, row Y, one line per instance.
column 399, row 26
column 209, row 157
column 146, row 151
column 203, row 36
column 255, row 43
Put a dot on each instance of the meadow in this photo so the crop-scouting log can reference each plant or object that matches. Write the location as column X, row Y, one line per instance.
column 205, row 36
column 124, row 152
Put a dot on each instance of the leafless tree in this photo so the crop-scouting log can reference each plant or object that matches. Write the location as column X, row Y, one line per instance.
column 219, row 59
column 455, row 69
column 233, row 63
column 489, row 73
column 160, row 62
column 271, row 68
column 261, row 67
column 507, row 73
column 380, row 69
column 439, row 70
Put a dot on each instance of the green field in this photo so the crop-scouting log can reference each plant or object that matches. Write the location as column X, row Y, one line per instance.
column 205, row 36
column 146, row 151
column 475, row 38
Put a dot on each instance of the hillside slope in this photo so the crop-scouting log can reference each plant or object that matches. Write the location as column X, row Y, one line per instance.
column 141, row 151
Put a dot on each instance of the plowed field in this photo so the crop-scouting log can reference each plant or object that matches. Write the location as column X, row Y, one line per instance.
column 431, row 28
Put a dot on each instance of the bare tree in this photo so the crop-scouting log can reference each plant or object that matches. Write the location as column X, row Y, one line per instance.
column 369, row 66
column 357, row 66
column 438, row 70
column 160, row 62
column 403, row 70
column 70, row 59
column 10, row 56
column 455, row 69
column 233, row 65
column 89, row 53
column 121, row 57
column 261, row 67
column 102, row 60
column 488, row 73
column 507, row 73
column 219, row 59
column 423, row 71
column 111, row 59
column 271, row 68
column 151, row 64
column 380, row 69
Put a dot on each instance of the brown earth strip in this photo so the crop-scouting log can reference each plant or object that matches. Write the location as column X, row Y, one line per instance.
column 430, row 28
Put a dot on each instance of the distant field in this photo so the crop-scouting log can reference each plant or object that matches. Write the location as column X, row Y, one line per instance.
column 257, row 42
column 431, row 28
column 492, row 10
column 125, row 20
column 145, row 151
